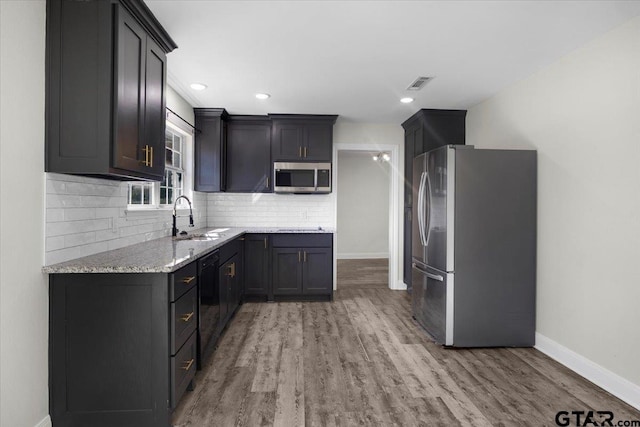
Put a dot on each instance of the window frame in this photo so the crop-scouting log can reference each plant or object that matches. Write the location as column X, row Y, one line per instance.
column 186, row 158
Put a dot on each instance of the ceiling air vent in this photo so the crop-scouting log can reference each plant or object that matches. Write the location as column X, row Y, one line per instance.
column 419, row 83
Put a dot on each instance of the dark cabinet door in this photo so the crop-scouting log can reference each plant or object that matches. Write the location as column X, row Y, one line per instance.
column 317, row 270
column 248, row 157
column 301, row 137
column 224, row 281
column 288, row 141
column 234, row 274
column 287, row 271
column 319, row 142
column 256, row 264
column 154, row 108
column 129, row 147
column 209, row 152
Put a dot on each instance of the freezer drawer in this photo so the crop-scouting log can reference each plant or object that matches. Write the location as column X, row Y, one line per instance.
column 432, row 302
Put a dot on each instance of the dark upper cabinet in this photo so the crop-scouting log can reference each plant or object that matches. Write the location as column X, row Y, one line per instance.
column 256, row 264
column 248, row 154
column 209, row 152
column 302, row 137
column 425, row 130
column 105, row 89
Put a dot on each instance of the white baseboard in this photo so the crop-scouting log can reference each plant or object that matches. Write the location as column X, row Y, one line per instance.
column 400, row 285
column 46, row 422
column 620, row 387
column 375, row 255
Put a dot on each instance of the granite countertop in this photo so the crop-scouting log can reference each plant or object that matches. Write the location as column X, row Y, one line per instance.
column 166, row 254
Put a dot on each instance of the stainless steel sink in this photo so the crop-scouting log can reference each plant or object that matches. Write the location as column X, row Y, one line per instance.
column 201, row 237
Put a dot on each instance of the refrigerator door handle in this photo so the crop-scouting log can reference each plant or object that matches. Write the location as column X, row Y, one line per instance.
column 429, row 275
column 421, row 208
column 427, row 198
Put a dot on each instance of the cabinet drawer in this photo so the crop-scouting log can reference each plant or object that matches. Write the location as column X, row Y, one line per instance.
column 183, row 280
column 184, row 318
column 298, row 240
column 183, row 369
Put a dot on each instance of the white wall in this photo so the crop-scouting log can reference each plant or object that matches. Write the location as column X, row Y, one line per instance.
column 24, row 297
column 363, row 206
column 582, row 114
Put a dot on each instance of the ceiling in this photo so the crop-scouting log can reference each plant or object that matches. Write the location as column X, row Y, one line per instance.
column 356, row 58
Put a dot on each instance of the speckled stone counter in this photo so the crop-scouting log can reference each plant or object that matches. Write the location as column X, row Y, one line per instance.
column 163, row 255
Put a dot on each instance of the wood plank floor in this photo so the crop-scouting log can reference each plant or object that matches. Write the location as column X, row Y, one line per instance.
column 362, row 360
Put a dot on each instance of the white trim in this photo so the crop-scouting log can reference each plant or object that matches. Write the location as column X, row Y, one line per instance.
column 363, row 255
column 45, row 422
column 620, row 387
column 395, row 232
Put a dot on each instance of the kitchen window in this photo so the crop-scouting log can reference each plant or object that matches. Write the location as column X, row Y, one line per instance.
column 177, row 175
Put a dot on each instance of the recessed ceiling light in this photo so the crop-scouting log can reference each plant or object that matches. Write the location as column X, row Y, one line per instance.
column 198, row 86
column 406, row 100
column 262, row 95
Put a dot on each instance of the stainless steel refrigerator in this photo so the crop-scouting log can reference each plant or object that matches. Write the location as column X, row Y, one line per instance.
column 474, row 246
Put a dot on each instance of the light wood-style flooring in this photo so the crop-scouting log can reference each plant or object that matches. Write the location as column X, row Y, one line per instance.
column 363, row 360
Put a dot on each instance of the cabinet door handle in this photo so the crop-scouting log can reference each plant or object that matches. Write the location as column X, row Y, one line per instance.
column 187, row 317
column 187, row 364
column 267, row 182
column 300, row 151
column 232, row 270
column 298, row 256
column 305, row 256
column 265, row 243
column 305, row 152
column 151, row 157
column 146, row 156
column 188, row 280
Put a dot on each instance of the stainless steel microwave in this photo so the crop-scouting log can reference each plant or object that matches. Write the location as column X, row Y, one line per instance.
column 303, row 178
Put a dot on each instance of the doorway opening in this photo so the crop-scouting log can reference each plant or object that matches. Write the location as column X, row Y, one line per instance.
column 366, row 240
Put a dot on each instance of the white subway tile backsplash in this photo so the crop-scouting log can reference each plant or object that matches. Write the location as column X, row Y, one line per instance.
column 88, row 215
column 270, row 210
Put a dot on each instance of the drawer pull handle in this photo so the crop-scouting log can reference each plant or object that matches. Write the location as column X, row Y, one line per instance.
column 188, row 280
column 187, row 365
column 187, row 317
column 305, row 256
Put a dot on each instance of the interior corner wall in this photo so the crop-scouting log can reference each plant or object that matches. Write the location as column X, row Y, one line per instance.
column 582, row 115
column 363, row 206
column 24, row 297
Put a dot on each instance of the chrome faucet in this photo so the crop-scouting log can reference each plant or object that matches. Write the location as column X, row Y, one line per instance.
column 174, row 229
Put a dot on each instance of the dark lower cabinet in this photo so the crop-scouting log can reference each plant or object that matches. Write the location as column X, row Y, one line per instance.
column 302, row 266
column 316, row 262
column 230, row 279
column 122, row 347
column 256, row 266
column 287, row 271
